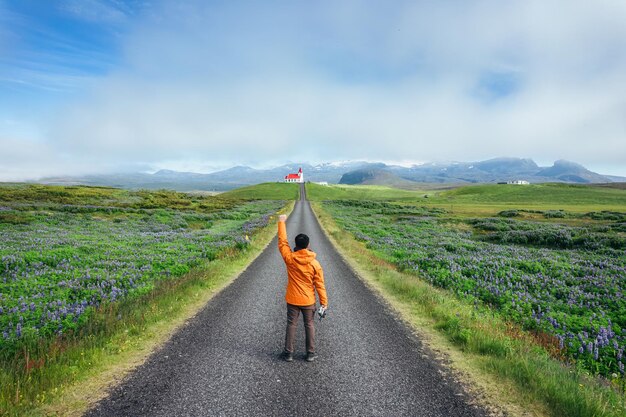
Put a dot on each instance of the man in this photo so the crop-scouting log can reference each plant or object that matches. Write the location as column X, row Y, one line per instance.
column 304, row 277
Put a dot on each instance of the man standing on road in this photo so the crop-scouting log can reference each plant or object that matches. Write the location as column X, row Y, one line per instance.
column 304, row 277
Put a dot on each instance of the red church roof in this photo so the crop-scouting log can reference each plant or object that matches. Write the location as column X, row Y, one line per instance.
column 294, row 176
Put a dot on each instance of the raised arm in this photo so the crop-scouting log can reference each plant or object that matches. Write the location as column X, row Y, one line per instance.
column 283, row 243
column 318, row 281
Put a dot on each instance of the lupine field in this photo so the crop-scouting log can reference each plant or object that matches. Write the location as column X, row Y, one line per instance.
column 65, row 251
column 553, row 272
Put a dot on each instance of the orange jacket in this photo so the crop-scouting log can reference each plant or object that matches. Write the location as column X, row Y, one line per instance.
column 304, row 273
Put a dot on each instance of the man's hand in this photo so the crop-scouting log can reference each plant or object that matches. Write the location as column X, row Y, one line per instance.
column 282, row 217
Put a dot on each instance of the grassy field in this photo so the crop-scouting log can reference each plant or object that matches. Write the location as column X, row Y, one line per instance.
column 553, row 270
column 266, row 191
column 546, row 196
column 86, row 273
column 317, row 192
column 486, row 199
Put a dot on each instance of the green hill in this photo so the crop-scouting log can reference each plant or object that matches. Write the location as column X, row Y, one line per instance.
column 536, row 194
column 373, row 176
column 486, row 198
column 317, row 192
column 265, row 191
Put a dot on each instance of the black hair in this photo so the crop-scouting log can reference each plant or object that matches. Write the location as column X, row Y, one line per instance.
column 302, row 241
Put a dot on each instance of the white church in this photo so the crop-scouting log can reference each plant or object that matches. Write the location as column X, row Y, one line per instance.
column 299, row 177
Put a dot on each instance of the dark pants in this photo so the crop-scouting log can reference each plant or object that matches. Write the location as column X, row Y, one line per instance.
column 308, row 313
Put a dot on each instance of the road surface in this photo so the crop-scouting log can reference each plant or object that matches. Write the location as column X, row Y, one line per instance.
column 226, row 360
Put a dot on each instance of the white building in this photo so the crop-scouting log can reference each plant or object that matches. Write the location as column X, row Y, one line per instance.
column 518, row 182
column 299, row 177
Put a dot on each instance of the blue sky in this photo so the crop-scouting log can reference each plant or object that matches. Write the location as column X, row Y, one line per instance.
column 111, row 85
column 50, row 53
column 50, row 49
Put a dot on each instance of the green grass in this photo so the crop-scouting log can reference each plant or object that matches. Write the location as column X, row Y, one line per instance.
column 81, row 198
column 61, row 194
column 265, row 191
column 535, row 194
column 317, row 192
column 480, row 200
column 508, row 364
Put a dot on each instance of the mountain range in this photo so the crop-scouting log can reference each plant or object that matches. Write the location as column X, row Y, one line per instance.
column 489, row 171
column 355, row 172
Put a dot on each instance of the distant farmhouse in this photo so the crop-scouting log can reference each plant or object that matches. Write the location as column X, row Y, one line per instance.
column 299, row 177
column 518, row 182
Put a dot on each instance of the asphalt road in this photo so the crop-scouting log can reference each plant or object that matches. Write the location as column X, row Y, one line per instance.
column 226, row 360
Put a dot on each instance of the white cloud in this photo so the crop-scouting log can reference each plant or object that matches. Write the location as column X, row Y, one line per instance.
column 252, row 83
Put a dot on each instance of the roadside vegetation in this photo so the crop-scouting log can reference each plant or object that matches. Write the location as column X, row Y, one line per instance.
column 533, row 296
column 88, row 274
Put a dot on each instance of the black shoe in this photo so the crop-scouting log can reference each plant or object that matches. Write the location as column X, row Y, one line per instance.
column 287, row 356
column 310, row 356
